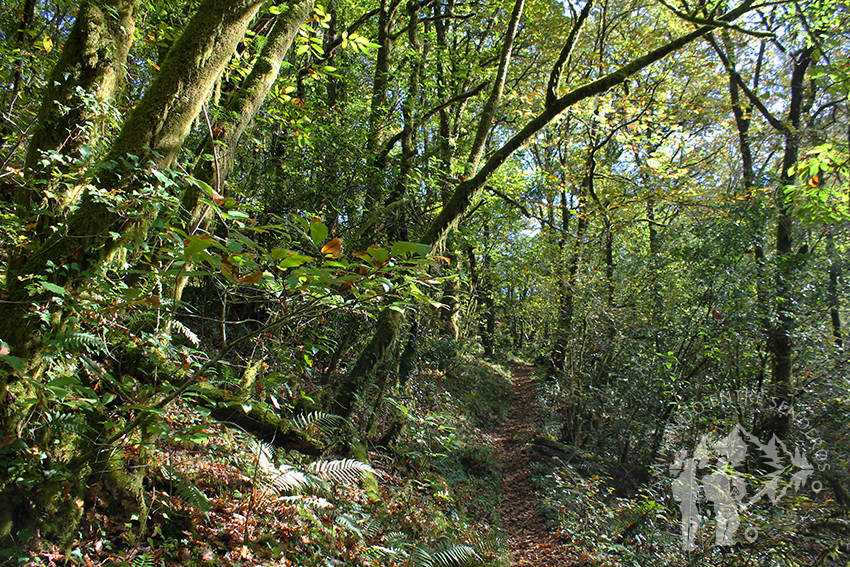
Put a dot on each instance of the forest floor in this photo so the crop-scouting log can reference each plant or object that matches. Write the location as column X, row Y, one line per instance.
column 530, row 540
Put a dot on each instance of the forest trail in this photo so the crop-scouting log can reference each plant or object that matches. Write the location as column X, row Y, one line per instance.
column 529, row 539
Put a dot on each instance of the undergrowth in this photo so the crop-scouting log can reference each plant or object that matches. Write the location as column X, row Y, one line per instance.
column 219, row 496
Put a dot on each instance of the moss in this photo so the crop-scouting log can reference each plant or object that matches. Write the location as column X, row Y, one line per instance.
column 370, row 481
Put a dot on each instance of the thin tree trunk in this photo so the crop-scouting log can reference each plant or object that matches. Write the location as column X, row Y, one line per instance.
column 835, row 274
column 218, row 156
column 242, row 108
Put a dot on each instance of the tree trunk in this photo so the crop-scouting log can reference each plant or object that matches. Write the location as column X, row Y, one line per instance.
column 90, row 68
column 218, row 155
column 153, row 133
column 832, row 296
column 386, row 332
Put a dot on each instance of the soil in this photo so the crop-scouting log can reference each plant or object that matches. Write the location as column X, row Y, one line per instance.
column 530, row 540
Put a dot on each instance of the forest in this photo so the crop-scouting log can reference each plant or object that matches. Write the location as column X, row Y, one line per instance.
column 424, row 282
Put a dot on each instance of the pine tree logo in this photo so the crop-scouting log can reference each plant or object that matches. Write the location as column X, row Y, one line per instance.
column 714, row 471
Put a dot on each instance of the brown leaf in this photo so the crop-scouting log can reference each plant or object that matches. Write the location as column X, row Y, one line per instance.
column 333, row 246
column 252, row 278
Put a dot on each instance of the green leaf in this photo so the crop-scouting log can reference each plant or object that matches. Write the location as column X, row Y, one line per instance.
column 293, row 260
column 195, row 244
column 407, row 248
column 54, row 288
column 15, row 362
column 379, row 254
column 318, row 232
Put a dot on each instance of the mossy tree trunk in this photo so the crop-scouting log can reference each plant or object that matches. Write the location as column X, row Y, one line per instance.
column 88, row 73
column 153, row 134
column 218, row 155
column 386, row 332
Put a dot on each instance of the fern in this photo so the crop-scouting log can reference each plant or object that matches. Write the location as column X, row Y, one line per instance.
column 454, row 554
column 348, row 524
column 188, row 491
column 176, row 326
column 75, row 341
column 144, row 560
column 371, row 528
column 421, row 557
column 317, row 418
column 308, row 501
column 343, row 470
column 68, row 422
column 290, row 479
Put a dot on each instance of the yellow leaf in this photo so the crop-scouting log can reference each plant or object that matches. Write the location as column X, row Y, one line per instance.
column 218, row 199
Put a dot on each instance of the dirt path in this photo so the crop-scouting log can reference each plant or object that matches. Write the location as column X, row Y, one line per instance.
column 529, row 540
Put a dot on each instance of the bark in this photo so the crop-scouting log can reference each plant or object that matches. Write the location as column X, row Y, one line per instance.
column 218, row 155
column 386, row 332
column 479, row 294
column 380, row 83
column 781, row 343
column 450, row 310
column 90, row 68
column 780, row 331
column 242, row 108
column 91, row 65
column 24, row 42
column 832, row 296
column 485, row 122
column 654, row 264
column 153, row 133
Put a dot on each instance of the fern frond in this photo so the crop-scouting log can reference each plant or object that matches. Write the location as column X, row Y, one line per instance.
column 308, row 501
column 348, row 524
column 343, row 470
column 371, row 528
column 144, row 560
column 68, row 422
column 454, row 554
column 318, row 418
column 188, row 491
column 422, row 557
column 176, row 326
column 76, row 341
column 289, row 479
column 489, row 542
column 386, row 552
